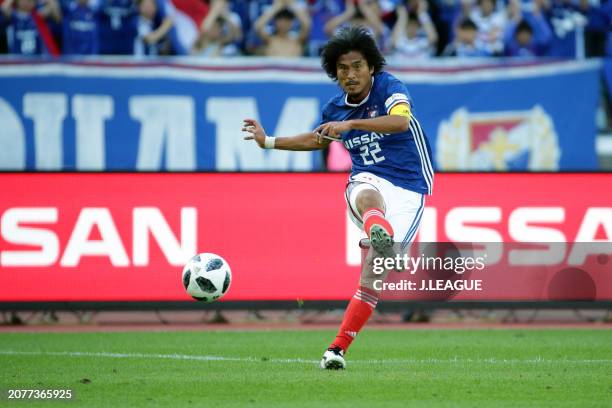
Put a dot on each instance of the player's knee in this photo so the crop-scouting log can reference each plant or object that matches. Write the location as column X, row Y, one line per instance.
column 369, row 198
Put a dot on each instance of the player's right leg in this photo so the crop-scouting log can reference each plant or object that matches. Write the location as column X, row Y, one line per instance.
column 367, row 207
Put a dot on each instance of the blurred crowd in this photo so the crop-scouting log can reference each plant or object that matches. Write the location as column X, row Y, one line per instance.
column 412, row 29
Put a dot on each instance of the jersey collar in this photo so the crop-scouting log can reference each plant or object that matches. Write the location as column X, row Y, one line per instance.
column 354, row 105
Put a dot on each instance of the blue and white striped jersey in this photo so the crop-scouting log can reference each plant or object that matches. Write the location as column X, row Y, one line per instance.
column 404, row 159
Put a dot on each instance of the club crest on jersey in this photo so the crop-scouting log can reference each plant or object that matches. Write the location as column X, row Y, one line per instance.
column 499, row 141
column 372, row 112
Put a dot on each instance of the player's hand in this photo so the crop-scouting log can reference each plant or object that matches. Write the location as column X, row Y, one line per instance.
column 333, row 129
column 321, row 137
column 255, row 130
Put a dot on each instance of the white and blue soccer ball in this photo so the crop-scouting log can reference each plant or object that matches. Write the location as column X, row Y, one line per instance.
column 207, row 277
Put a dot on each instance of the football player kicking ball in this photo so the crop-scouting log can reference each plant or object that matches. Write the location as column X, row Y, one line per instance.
column 391, row 171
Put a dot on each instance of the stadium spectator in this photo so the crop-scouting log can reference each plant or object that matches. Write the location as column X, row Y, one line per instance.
column 249, row 14
column 283, row 42
column 117, row 27
column 321, row 11
column 597, row 27
column 80, row 28
column 491, row 26
column 521, row 43
column 444, row 19
column 607, row 8
column 153, row 26
column 466, row 42
column 27, row 31
column 221, row 29
column 414, row 35
column 360, row 13
column 527, row 33
column 567, row 24
column 464, row 10
column 3, row 44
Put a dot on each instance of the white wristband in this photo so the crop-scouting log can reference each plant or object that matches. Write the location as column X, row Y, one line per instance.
column 269, row 142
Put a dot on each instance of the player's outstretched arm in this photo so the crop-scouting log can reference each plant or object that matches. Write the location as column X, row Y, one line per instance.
column 304, row 142
column 382, row 124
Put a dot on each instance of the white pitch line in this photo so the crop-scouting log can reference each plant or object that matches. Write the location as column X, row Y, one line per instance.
column 537, row 360
column 152, row 356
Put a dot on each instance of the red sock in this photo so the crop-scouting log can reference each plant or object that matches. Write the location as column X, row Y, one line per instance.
column 373, row 216
column 357, row 313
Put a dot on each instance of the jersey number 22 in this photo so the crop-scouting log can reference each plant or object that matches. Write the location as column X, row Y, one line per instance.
column 369, row 153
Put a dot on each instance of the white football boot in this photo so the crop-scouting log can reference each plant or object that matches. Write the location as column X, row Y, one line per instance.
column 333, row 359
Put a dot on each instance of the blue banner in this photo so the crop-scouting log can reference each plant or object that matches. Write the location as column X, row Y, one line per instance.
column 185, row 116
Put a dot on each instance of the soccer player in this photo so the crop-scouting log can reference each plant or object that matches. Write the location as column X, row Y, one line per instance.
column 391, row 165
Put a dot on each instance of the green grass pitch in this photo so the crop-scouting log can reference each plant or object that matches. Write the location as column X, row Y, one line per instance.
column 404, row 368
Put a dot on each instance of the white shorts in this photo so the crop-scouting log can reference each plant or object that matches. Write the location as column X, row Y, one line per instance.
column 403, row 208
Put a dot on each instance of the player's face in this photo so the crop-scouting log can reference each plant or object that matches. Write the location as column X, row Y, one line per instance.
column 354, row 75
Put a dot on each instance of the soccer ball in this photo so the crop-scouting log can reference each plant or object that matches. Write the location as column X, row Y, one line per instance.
column 207, row 277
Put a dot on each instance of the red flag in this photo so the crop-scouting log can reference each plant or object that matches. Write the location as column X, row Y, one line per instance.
column 45, row 34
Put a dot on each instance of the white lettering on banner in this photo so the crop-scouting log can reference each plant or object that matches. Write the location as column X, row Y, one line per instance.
column 166, row 121
column 12, row 139
column 232, row 153
column 520, row 231
column 150, row 219
column 14, row 233
column 48, row 111
column 428, row 231
column 593, row 218
column 458, row 231
column 90, row 112
column 80, row 245
column 146, row 220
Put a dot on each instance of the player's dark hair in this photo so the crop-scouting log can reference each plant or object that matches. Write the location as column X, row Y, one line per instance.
column 349, row 39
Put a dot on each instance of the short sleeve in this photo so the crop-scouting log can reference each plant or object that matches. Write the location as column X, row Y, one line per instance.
column 396, row 93
column 324, row 115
